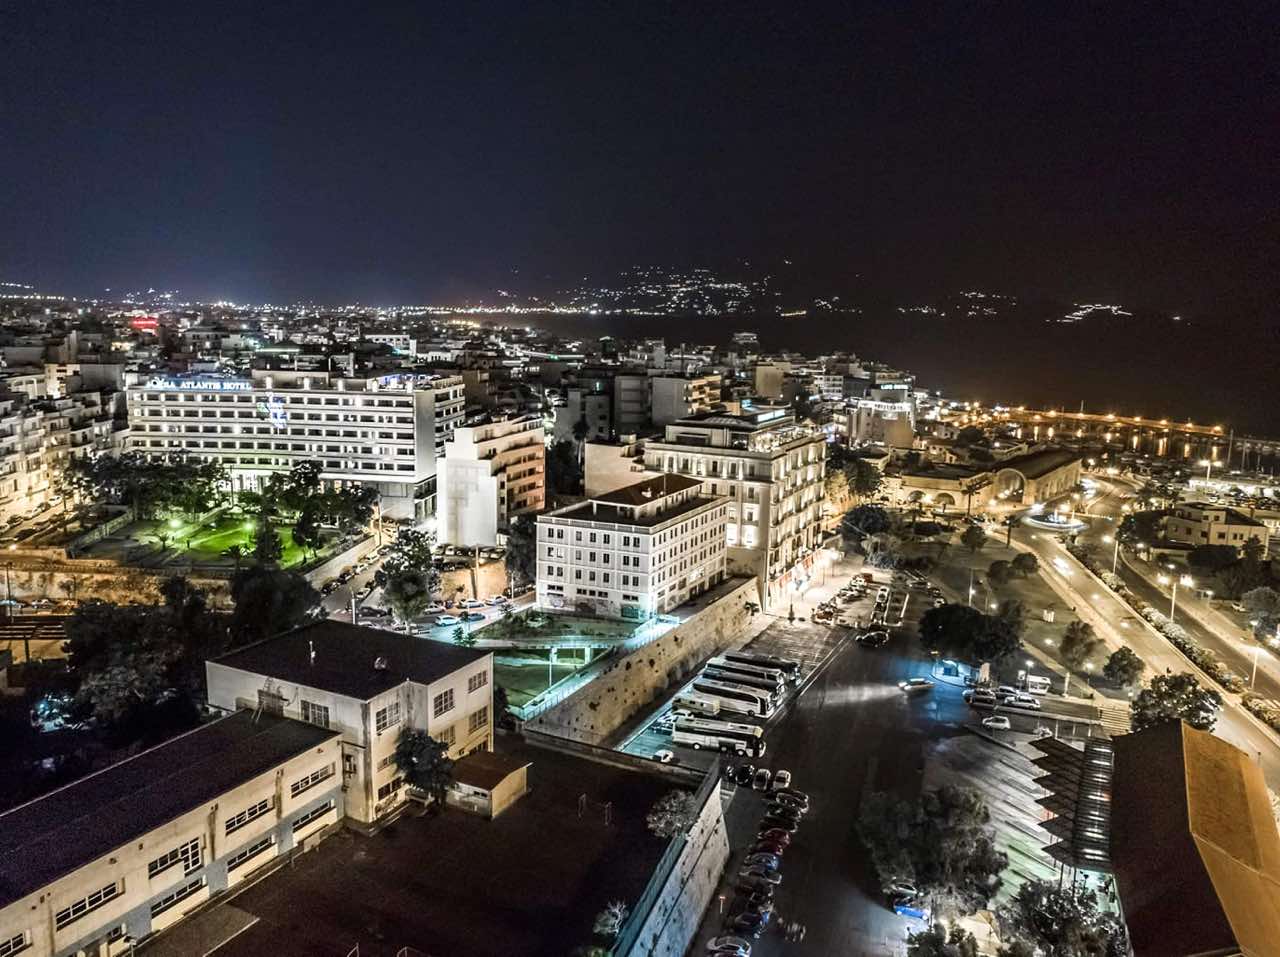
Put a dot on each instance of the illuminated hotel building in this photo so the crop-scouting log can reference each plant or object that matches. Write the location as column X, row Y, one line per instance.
column 385, row 432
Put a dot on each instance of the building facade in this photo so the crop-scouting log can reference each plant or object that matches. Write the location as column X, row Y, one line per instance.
column 490, row 473
column 678, row 397
column 1199, row 523
column 96, row 866
column 771, row 470
column 367, row 685
column 633, row 552
column 386, row 432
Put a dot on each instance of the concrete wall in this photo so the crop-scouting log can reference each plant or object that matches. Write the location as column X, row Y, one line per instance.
column 105, row 581
column 632, row 681
column 331, row 567
column 672, row 923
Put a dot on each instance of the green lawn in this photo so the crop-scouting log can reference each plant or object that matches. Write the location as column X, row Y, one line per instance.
column 208, row 544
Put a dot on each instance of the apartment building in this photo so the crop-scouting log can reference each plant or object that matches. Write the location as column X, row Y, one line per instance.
column 1200, row 523
column 387, row 432
column 366, row 685
column 678, row 397
column 633, row 552
column 102, row 863
column 490, row 473
column 770, row 469
column 39, row 437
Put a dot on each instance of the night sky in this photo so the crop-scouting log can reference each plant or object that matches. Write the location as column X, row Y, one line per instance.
column 420, row 151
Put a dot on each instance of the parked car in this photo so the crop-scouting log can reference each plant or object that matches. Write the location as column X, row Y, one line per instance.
column 664, row 756
column 751, row 885
column 997, row 722
column 1023, row 700
column 761, row 781
column 434, row 608
column 781, row 779
column 902, row 890
column 751, row 923
column 727, row 944
column 768, row 847
column 472, row 616
column 471, row 603
column 792, row 793
column 774, row 834
column 743, row 774
column 763, row 859
column 981, row 696
column 939, row 602
column 760, row 874
column 780, row 808
column 786, row 800
column 443, row 620
column 873, row 639
column 916, row 685
column 775, row 822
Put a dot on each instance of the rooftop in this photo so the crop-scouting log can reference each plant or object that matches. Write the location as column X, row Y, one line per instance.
column 644, row 492
column 344, row 659
column 1034, row 465
column 52, row 836
column 487, row 769
column 1194, row 845
column 529, row 882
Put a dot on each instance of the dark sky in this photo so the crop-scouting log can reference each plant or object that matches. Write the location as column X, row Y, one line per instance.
column 410, row 152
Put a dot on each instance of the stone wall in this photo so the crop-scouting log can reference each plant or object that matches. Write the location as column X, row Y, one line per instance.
column 331, row 567
column 632, row 681
column 117, row 584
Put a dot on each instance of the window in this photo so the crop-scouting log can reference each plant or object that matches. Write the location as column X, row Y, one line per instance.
column 237, row 821
column 442, row 703
column 385, row 762
column 446, row 737
column 387, row 717
column 188, row 854
column 315, row 713
column 390, row 788
column 14, row 944
column 314, row 814
column 169, row 900
column 311, row 780
column 252, row 851
column 479, row 719
column 476, row 682
column 73, row 912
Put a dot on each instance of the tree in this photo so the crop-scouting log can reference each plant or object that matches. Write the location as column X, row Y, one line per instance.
column 236, row 553
column 1024, row 564
column 973, row 538
column 1177, row 697
column 836, row 487
column 864, row 478
column 938, row 942
column 411, row 550
column 269, row 601
column 964, row 633
column 1262, row 605
column 502, row 716
column 867, row 520
column 1209, row 559
column 609, row 921
column 943, row 842
column 462, row 637
column 1142, row 528
column 672, row 814
column 267, row 547
column 1016, row 948
column 1123, row 668
column 969, row 435
column 1079, row 644
column 306, row 530
column 522, row 543
column 1253, row 551
column 1064, row 922
column 408, row 592
column 999, row 572
column 424, row 762
column 564, row 473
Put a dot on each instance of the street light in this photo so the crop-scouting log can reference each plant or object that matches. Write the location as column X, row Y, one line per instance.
column 1186, row 581
column 1208, row 467
column 1115, row 552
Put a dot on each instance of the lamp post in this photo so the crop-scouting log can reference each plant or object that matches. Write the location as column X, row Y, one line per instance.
column 1208, row 467
column 1184, row 580
column 1115, row 552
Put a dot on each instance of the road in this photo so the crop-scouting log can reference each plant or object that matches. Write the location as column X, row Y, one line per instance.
column 1117, row 626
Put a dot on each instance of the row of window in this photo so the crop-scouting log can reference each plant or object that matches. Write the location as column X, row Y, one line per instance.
column 182, row 893
column 90, row 902
column 235, row 861
column 237, row 821
column 188, row 854
column 306, row 783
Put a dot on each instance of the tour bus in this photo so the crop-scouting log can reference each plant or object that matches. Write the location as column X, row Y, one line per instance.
column 760, row 671
column 737, row 698
column 696, row 704
column 733, row 676
column 787, row 666
column 699, row 733
column 1037, row 684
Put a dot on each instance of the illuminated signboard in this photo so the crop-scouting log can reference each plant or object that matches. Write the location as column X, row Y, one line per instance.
column 201, row 385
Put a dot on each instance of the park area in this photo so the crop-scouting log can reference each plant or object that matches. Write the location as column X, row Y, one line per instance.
column 525, row 674
column 176, row 541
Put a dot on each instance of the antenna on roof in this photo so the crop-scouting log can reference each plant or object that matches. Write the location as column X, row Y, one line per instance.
column 380, row 663
column 311, row 648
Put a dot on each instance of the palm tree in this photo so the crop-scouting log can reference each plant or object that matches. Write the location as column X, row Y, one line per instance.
column 235, row 553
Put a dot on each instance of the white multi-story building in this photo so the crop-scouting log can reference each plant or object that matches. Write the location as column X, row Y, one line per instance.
column 386, row 432
column 634, row 552
column 771, row 470
column 39, row 437
column 94, row 867
column 490, row 473
column 677, row 397
column 368, row 685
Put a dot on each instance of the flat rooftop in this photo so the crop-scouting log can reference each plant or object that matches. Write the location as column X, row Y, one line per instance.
column 53, row 835
column 529, row 882
column 344, row 659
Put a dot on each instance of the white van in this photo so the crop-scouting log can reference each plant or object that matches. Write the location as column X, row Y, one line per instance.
column 1037, row 684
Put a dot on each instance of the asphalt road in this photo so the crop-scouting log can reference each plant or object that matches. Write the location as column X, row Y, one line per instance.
column 1113, row 620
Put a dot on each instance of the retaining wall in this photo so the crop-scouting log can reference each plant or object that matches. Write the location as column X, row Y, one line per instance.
column 630, row 682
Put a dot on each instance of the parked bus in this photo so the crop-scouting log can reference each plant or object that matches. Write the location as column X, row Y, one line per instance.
column 696, row 704
column 733, row 676
column 737, row 698
column 697, row 733
column 1037, row 684
column 787, row 666
column 760, row 671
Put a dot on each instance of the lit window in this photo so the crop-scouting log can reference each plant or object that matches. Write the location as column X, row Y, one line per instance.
column 442, row 703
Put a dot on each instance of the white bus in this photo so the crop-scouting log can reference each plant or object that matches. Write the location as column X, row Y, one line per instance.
column 734, row 676
column 787, row 666
column 698, row 733
column 760, row 671
column 1037, row 684
column 735, row 697
column 696, row 704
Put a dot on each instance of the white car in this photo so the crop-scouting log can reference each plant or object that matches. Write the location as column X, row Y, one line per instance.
column 781, row 779
column 434, row 608
column 496, row 600
column 443, row 620
column 915, row 685
column 997, row 722
column 664, row 756
column 730, row 945
column 471, row 603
